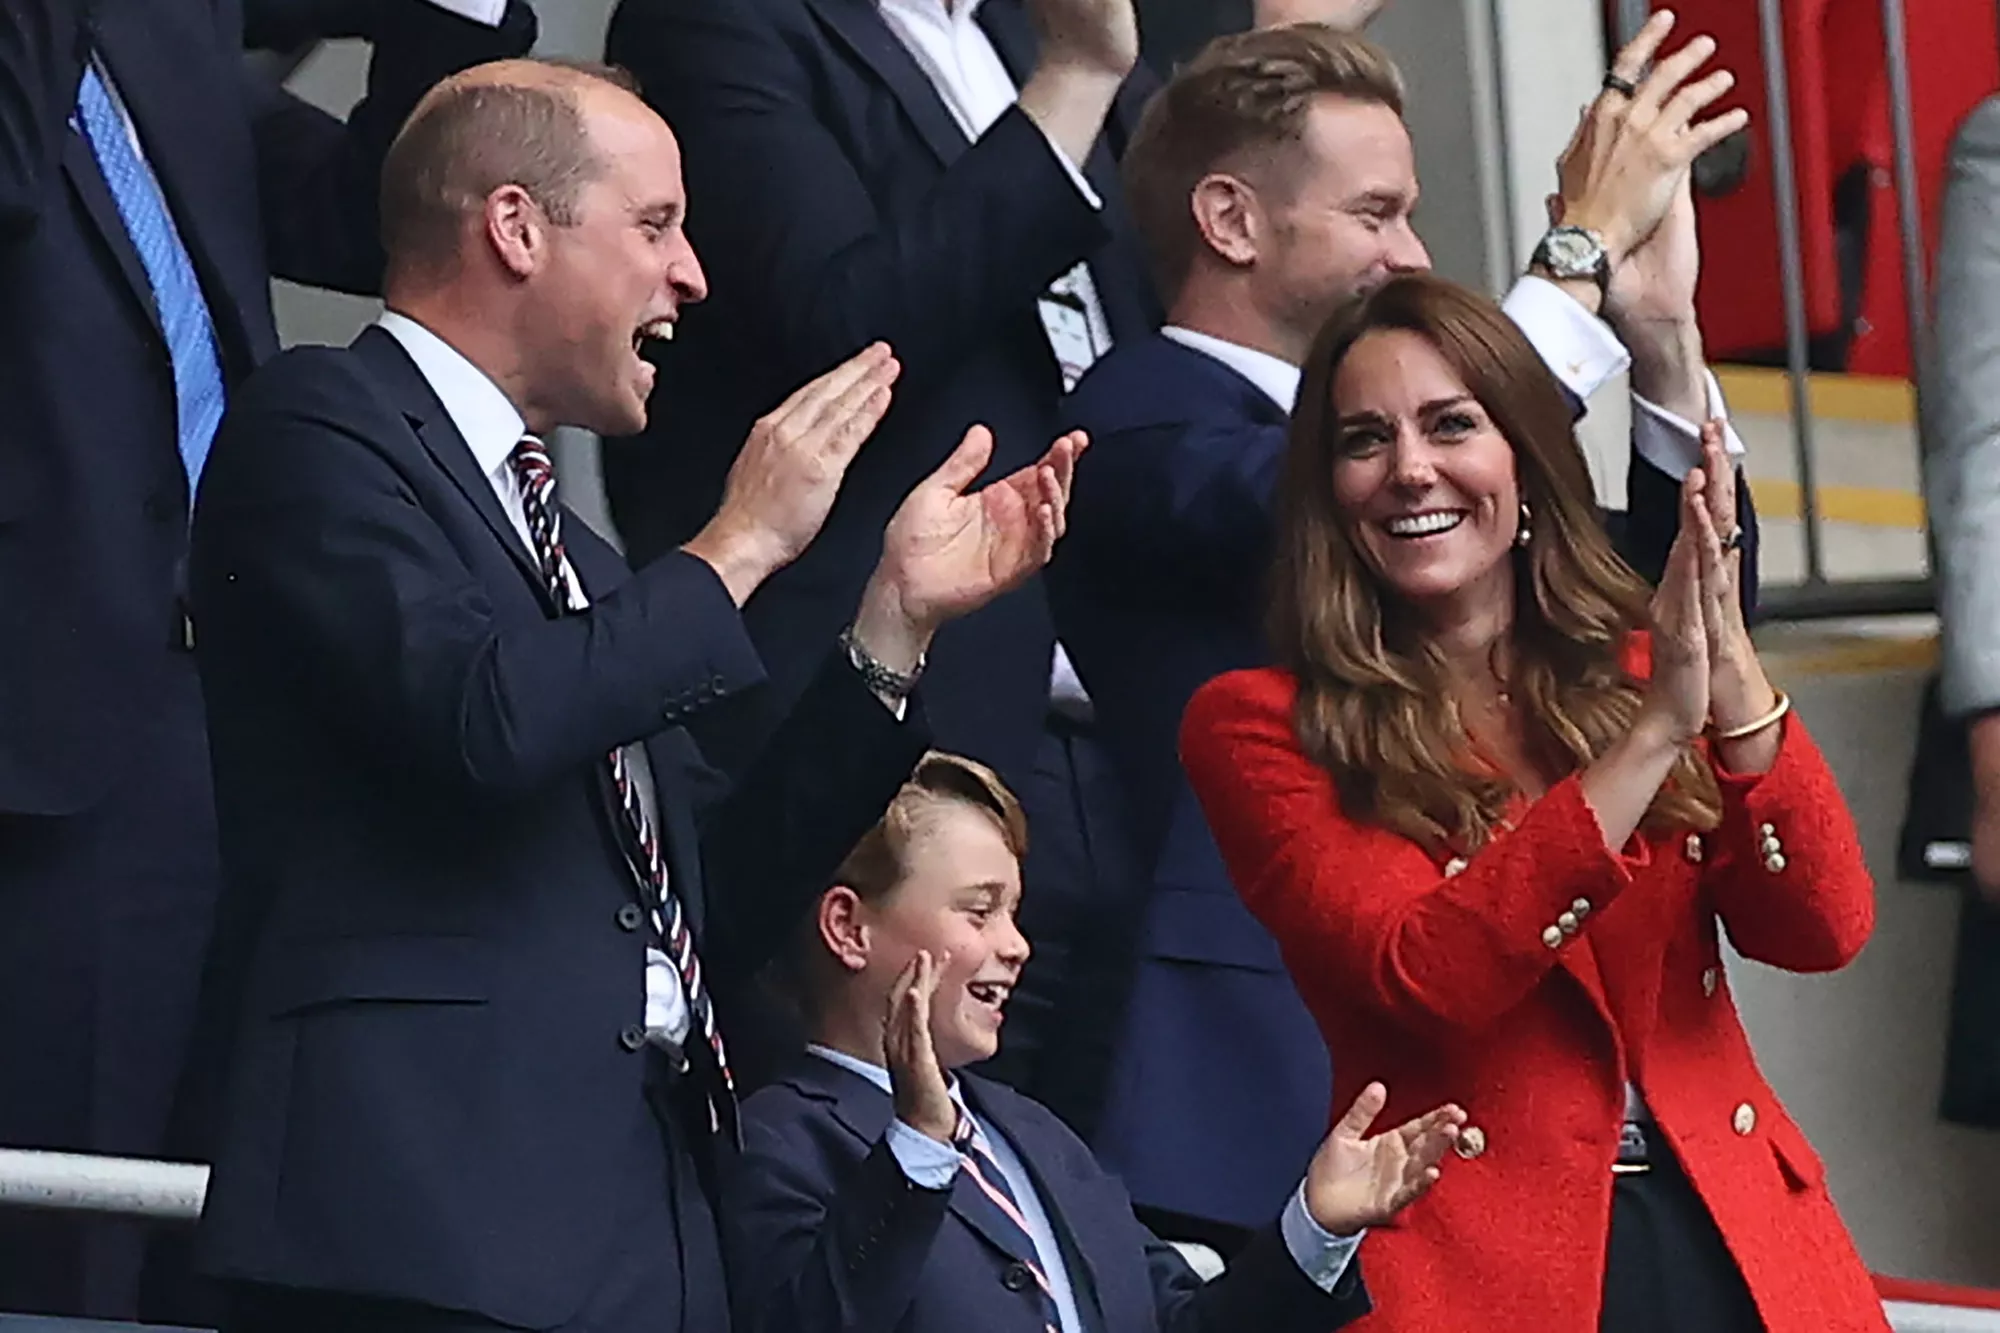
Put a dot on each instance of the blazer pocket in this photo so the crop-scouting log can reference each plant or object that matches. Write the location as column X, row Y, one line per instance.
column 1800, row 1164
column 419, row 969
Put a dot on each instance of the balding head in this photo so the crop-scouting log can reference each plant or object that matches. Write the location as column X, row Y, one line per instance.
column 511, row 122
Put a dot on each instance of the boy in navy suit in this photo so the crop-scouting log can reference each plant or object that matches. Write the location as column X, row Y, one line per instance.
column 881, row 1187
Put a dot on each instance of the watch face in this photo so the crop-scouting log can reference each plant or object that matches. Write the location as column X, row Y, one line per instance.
column 1573, row 254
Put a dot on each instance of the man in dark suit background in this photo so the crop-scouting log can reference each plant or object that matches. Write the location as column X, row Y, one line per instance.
column 149, row 188
column 1273, row 179
column 942, row 176
column 481, row 883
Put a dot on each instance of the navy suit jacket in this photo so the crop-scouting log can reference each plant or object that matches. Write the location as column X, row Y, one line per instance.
column 834, row 202
column 93, row 497
column 428, row 965
column 1220, row 1087
column 827, row 1234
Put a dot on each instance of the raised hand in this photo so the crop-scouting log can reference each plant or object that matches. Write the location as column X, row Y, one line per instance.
column 1360, row 1180
column 949, row 551
column 923, row 1100
column 790, row 468
column 1620, row 171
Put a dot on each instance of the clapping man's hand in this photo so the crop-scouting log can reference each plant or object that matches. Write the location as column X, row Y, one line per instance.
column 949, row 551
column 1360, row 1180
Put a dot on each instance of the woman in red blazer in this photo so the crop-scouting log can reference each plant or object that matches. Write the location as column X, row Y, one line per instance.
column 1495, row 827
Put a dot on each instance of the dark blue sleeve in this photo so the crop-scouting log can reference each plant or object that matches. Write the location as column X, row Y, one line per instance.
column 819, row 1244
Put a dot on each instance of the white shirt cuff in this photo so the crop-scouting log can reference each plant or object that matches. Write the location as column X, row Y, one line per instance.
column 928, row 1164
column 1576, row 345
column 1672, row 443
column 489, row 12
column 1322, row 1256
column 1083, row 188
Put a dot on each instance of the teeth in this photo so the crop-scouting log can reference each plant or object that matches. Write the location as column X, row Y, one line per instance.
column 662, row 329
column 987, row 992
column 1422, row 525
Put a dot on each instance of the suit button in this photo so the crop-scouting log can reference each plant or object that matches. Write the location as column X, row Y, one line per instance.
column 1694, row 848
column 1553, row 937
column 630, row 916
column 1454, row 867
column 1745, row 1119
column 1581, row 907
column 1710, row 978
column 1568, row 923
column 1471, row 1143
column 1017, row 1277
column 632, row 1036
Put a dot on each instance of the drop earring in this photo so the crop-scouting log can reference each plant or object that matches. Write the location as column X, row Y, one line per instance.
column 1526, row 530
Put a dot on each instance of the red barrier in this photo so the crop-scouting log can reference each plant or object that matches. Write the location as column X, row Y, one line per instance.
column 1936, row 1293
column 1840, row 134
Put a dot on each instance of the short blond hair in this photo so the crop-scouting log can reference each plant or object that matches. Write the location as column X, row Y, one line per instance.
column 1243, row 93
column 880, row 861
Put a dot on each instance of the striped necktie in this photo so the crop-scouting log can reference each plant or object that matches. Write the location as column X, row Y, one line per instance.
column 537, row 476
column 979, row 1165
column 199, row 391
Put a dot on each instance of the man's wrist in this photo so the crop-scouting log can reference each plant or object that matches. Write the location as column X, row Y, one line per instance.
column 1668, row 362
column 742, row 557
column 885, row 630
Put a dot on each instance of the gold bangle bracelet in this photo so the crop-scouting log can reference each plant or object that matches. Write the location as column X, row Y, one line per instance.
column 1769, row 719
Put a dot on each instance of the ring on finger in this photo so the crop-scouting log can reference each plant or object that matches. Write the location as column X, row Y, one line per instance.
column 1618, row 83
column 1734, row 541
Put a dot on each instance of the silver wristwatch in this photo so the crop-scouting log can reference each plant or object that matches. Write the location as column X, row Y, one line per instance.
column 883, row 679
column 1574, row 253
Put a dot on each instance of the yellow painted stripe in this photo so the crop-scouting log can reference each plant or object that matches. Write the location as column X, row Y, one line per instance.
column 1868, row 506
column 1867, row 398
column 1852, row 657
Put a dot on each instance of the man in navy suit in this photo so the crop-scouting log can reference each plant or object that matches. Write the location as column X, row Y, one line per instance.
column 481, row 885
column 149, row 188
column 1217, row 1085
column 942, row 176
column 883, row 1188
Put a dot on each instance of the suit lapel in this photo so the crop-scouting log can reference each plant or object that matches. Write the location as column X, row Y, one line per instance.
column 87, row 179
column 859, row 26
column 865, row 1111
column 1073, row 1211
column 1006, row 26
column 446, row 446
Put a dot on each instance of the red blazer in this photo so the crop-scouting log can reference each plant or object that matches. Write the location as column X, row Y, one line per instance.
column 1527, row 985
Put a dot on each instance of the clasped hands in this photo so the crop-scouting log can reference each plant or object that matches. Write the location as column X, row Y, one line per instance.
column 1356, row 1180
column 1705, row 669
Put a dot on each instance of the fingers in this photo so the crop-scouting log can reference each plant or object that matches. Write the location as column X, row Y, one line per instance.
column 967, row 461
column 837, row 425
column 1670, row 74
column 1362, row 1114
column 1720, row 471
column 1630, row 63
column 1714, row 576
column 1700, row 138
column 870, row 363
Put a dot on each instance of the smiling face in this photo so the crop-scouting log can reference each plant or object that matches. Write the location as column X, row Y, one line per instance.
column 1340, row 214
column 1422, row 477
column 619, row 274
column 957, row 896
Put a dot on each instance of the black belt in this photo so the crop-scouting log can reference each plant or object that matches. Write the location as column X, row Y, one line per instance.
column 1635, row 1156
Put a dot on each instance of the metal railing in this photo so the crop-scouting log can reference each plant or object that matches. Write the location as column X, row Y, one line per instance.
column 133, row 1187
column 1816, row 596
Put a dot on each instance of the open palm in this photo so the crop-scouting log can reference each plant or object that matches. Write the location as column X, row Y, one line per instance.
column 1359, row 1180
column 950, row 551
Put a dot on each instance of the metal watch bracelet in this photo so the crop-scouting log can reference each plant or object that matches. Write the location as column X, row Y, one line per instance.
column 879, row 677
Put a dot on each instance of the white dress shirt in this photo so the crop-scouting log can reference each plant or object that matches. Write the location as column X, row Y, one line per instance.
column 1578, row 347
column 492, row 426
column 1320, row 1255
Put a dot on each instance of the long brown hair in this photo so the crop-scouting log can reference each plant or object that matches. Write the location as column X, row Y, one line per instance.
column 1373, row 705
